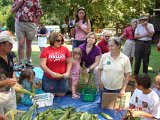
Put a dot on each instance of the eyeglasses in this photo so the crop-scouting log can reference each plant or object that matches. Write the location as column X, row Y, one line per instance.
column 58, row 40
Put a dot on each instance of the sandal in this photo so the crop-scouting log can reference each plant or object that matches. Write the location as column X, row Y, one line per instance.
column 75, row 96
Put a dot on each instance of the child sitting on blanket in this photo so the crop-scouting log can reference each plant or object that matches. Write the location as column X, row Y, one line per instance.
column 75, row 71
column 144, row 101
column 29, row 82
column 156, row 86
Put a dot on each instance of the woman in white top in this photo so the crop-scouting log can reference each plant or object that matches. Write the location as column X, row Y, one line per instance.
column 114, row 69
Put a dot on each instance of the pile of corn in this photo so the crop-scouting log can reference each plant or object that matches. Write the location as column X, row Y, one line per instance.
column 65, row 114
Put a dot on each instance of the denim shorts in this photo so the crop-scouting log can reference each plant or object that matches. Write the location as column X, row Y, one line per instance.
column 51, row 85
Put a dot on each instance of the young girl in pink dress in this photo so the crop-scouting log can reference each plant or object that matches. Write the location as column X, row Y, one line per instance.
column 75, row 71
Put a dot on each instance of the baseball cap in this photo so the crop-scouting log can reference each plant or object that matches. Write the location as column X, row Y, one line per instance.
column 143, row 17
column 6, row 37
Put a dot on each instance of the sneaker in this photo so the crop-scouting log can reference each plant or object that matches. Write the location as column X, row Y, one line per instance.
column 19, row 67
column 29, row 65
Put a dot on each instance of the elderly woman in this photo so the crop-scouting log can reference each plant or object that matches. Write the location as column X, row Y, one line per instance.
column 56, row 64
column 91, row 54
column 114, row 69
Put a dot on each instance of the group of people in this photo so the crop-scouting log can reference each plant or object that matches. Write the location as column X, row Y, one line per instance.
column 111, row 67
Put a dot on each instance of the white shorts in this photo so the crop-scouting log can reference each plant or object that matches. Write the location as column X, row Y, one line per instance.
column 42, row 41
column 7, row 101
column 129, row 48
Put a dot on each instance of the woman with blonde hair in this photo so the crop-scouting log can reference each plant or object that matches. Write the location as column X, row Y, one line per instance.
column 91, row 54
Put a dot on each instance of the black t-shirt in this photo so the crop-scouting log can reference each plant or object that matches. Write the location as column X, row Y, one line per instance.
column 42, row 30
column 7, row 68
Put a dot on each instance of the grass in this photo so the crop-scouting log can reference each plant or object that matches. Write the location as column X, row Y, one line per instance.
column 154, row 61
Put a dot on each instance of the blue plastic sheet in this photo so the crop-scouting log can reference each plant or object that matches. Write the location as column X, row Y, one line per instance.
column 38, row 72
column 79, row 104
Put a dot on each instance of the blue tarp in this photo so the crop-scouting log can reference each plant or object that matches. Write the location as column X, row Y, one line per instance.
column 79, row 104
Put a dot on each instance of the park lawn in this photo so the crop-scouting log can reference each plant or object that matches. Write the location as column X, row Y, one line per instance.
column 154, row 62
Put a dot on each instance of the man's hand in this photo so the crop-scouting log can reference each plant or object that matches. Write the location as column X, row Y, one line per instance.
column 11, row 81
column 15, row 8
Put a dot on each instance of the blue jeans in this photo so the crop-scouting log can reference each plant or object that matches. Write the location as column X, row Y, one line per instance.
column 51, row 85
column 76, row 43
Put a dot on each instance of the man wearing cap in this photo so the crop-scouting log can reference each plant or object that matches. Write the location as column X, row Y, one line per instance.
column 129, row 46
column 7, row 75
column 143, row 33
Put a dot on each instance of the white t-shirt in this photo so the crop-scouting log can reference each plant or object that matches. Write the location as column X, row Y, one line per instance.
column 141, row 30
column 113, row 70
column 157, row 91
column 148, row 102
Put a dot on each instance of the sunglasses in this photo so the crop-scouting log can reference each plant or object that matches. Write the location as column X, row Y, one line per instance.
column 58, row 40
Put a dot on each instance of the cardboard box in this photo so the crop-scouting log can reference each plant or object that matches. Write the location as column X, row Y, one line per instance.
column 112, row 101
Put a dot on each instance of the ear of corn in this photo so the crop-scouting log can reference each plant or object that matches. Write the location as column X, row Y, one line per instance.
column 24, row 91
column 65, row 114
column 28, row 115
column 106, row 116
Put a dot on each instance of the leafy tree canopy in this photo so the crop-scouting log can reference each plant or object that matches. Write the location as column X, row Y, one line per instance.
column 102, row 13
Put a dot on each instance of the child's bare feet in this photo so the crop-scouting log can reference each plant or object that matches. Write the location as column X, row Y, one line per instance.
column 75, row 96
column 78, row 93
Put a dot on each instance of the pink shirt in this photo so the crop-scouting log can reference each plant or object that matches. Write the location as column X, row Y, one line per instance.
column 79, row 34
column 29, row 11
column 129, row 33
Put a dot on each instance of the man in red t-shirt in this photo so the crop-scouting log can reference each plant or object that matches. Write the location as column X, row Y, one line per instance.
column 129, row 46
column 28, row 13
column 103, row 44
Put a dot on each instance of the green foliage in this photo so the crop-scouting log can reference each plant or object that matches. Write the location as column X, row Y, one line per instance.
column 10, row 22
column 103, row 13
